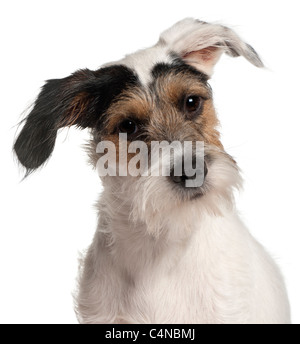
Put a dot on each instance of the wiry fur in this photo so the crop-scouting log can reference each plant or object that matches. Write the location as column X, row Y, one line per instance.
column 158, row 259
column 161, row 253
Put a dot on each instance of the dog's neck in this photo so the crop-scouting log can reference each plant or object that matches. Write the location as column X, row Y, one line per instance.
column 136, row 243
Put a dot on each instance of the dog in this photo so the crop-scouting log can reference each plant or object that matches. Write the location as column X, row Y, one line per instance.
column 162, row 252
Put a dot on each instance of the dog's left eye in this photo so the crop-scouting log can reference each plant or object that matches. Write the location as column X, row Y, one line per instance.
column 192, row 105
column 128, row 126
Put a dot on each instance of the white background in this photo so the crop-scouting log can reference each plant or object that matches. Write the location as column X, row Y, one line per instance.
column 49, row 218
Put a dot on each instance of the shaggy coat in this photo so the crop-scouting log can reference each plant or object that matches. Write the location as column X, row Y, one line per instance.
column 161, row 253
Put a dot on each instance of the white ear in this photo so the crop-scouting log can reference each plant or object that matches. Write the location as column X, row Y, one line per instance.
column 201, row 44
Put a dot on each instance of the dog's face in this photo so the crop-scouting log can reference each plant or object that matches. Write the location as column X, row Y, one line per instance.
column 157, row 94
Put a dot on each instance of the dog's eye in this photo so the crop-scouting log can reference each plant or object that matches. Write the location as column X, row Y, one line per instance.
column 128, row 126
column 192, row 105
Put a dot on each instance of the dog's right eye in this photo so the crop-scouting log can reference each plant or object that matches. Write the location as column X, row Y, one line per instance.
column 192, row 106
column 128, row 126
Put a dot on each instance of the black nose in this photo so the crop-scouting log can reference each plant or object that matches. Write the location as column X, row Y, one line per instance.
column 183, row 177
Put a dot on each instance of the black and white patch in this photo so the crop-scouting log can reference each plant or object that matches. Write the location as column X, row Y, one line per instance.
column 80, row 99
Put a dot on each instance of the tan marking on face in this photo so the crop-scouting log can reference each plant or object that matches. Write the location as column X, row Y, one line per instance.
column 171, row 91
column 159, row 111
column 133, row 104
column 173, row 87
column 209, row 123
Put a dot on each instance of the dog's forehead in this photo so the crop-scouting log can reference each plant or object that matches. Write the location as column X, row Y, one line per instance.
column 144, row 61
column 168, row 47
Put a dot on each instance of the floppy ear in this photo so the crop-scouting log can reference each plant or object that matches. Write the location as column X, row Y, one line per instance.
column 79, row 99
column 201, row 44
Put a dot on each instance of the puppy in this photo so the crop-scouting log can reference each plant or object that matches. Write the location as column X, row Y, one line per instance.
column 162, row 252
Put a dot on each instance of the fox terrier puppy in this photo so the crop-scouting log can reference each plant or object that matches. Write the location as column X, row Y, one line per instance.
column 164, row 251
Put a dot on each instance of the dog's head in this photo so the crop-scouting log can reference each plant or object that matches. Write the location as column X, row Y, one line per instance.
column 156, row 94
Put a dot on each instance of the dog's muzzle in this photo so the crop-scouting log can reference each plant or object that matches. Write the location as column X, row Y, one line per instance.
column 190, row 179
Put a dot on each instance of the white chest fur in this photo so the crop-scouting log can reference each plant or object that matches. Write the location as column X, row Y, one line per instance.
column 217, row 273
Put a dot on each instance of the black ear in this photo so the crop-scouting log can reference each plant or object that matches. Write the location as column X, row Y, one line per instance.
column 79, row 99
